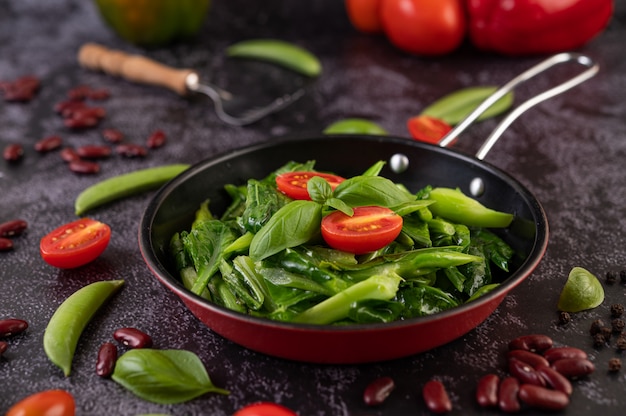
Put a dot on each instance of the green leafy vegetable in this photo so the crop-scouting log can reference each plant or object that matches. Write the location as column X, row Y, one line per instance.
column 163, row 376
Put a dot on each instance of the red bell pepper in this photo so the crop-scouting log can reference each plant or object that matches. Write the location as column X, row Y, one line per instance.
column 522, row 27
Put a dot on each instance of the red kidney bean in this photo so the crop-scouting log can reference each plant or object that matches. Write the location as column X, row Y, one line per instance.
column 22, row 89
column 555, row 379
column 84, row 166
column 528, row 357
column 525, row 373
column 93, row 151
column 558, row 353
column 533, row 343
column 378, row 390
column 68, row 154
column 12, row 228
column 107, row 355
column 89, row 112
column 5, row 244
column 573, row 367
column 507, row 395
column 66, row 108
column 132, row 337
column 131, row 150
column 13, row 152
column 436, row 397
column 156, row 139
column 99, row 94
column 79, row 93
column 112, row 135
column 48, row 144
column 543, row 398
column 3, row 347
column 487, row 390
column 81, row 123
column 12, row 326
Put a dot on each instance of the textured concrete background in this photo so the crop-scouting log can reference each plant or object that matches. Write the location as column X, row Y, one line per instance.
column 569, row 152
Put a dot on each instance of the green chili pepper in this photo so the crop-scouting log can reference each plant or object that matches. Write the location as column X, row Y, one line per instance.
column 355, row 126
column 124, row 185
column 278, row 52
column 71, row 317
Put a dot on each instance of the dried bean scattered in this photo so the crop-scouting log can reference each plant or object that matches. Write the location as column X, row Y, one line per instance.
column 5, row 244
column 131, row 150
column 574, row 367
column 528, row 357
column 487, row 390
column 558, row 353
column 84, row 167
column 542, row 398
column 133, row 338
column 615, row 364
column 13, row 152
column 507, row 395
column 48, row 144
column 112, row 135
column 68, row 154
column 12, row 326
column 13, row 228
column 3, row 347
column 378, row 390
column 80, row 123
column 436, row 397
column 99, row 94
column 525, row 373
column 93, row 151
column 156, row 139
column 107, row 355
column 555, row 380
column 66, row 108
column 533, row 343
column 79, row 93
column 22, row 89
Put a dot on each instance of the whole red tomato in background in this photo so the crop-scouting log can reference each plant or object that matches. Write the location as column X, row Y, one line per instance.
column 424, row 27
column 364, row 15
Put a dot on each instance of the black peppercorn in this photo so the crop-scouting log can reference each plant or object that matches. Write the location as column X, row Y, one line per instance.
column 618, row 325
column 615, row 364
column 564, row 318
column 617, row 310
column 596, row 326
column 599, row 340
column 611, row 277
column 621, row 343
column 622, row 276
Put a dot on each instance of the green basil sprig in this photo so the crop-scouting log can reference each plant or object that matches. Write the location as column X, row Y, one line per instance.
column 454, row 107
column 163, row 376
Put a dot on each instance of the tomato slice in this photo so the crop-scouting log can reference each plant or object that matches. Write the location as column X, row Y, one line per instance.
column 428, row 129
column 75, row 244
column 293, row 184
column 264, row 409
column 369, row 229
column 45, row 403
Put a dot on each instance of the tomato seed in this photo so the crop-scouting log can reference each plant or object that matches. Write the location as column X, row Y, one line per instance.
column 156, row 139
column 12, row 326
column 487, row 390
column 5, row 244
column 13, row 152
column 133, row 338
column 436, row 397
column 378, row 390
column 12, row 228
column 84, row 166
column 107, row 355
column 543, row 398
column 48, row 144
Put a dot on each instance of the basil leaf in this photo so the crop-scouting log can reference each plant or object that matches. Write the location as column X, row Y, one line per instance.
column 375, row 169
column 294, row 224
column 454, row 107
column 371, row 190
column 319, row 189
column 339, row 205
column 163, row 376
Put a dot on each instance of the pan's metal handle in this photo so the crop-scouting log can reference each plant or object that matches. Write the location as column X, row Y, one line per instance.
column 592, row 69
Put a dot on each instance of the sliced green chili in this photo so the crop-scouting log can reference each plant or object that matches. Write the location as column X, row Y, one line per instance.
column 279, row 52
column 355, row 126
column 125, row 185
column 71, row 317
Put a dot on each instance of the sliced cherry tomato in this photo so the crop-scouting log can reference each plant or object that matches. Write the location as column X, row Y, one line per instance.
column 293, row 184
column 75, row 244
column 424, row 27
column 428, row 129
column 365, row 15
column 369, row 229
column 45, row 403
column 265, row 409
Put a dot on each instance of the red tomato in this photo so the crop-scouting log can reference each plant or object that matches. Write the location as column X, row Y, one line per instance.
column 428, row 129
column 365, row 15
column 424, row 27
column 264, row 409
column 369, row 229
column 75, row 244
column 293, row 184
column 45, row 403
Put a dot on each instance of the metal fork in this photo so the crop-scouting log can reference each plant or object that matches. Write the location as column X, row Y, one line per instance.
column 143, row 70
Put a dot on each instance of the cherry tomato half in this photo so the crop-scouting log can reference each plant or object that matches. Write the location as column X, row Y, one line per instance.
column 365, row 15
column 424, row 27
column 369, row 229
column 264, row 409
column 293, row 184
column 428, row 129
column 45, row 403
column 75, row 244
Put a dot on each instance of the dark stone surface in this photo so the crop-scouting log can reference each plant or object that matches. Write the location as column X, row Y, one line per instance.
column 569, row 152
